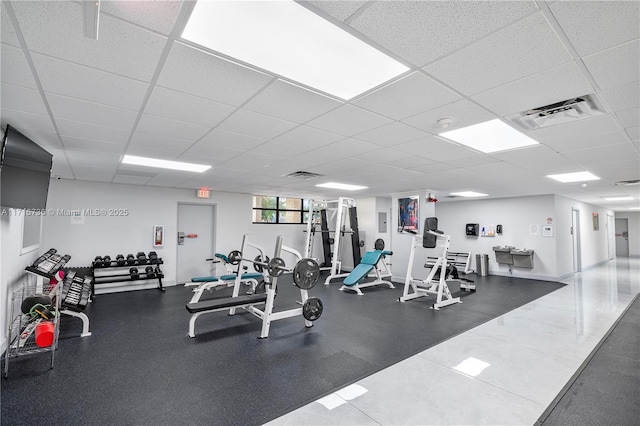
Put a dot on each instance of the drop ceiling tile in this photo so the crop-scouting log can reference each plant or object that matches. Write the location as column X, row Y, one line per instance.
column 287, row 101
column 435, row 149
column 22, row 99
column 575, row 130
column 280, row 149
column 15, row 68
column 617, row 171
column 308, row 137
column 623, row 97
column 76, row 81
column 199, row 73
column 91, row 112
column 153, row 152
column 86, row 159
column 549, row 86
column 26, row 120
column 433, row 168
column 162, row 142
column 255, row 124
column 313, row 159
column 188, row 108
column 629, row 117
column 211, row 158
column 7, row 33
column 422, row 31
column 538, row 159
column 609, row 153
column 218, row 138
column 348, row 120
column 156, row 15
column 169, row 180
column 408, row 96
column 591, row 141
column 597, row 25
column 348, row 147
column 93, row 174
column 462, row 112
column 383, row 156
column 56, row 29
column 49, row 141
column 633, row 133
column 78, row 144
column 340, row 10
column 520, row 50
column 250, row 161
column 392, row 134
column 131, row 180
column 616, row 66
column 155, row 125
column 84, row 130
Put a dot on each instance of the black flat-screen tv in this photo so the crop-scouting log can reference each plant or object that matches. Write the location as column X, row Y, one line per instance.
column 25, row 171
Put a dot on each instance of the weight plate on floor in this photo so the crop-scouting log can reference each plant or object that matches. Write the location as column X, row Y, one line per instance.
column 306, row 273
column 312, row 309
column 235, row 257
column 275, row 267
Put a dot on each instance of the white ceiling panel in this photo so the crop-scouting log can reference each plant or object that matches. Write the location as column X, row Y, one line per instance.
column 597, row 25
column 616, row 66
column 251, row 161
column 435, row 167
column 86, row 159
column 156, row 15
column 91, row 112
column 609, row 153
column 7, row 33
column 56, row 28
column 623, row 97
column 218, row 138
column 408, row 96
column 386, row 155
column 131, row 180
column 162, row 142
column 49, row 141
column 592, row 141
column 15, row 68
column 339, row 9
column 633, row 133
column 392, row 134
column 76, row 81
column 293, row 103
column 629, row 117
column 522, row 49
column 26, row 122
column 92, row 174
column 84, row 130
column 202, row 74
column 348, row 120
column 617, row 171
column 155, row 125
column 308, row 137
column 422, row 31
column 279, row 149
column 575, row 130
column 78, row 144
column 549, row 86
column 348, row 147
column 255, row 124
column 22, row 99
column 462, row 112
column 185, row 107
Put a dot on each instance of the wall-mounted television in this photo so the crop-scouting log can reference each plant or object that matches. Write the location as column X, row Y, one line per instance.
column 25, row 170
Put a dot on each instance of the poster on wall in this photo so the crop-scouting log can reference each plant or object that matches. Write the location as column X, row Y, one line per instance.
column 596, row 221
column 408, row 214
column 158, row 236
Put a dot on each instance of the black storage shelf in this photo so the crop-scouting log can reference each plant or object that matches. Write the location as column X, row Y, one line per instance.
column 120, row 273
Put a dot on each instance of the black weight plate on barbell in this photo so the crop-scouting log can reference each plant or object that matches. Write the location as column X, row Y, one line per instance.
column 258, row 261
column 306, row 273
column 379, row 244
column 275, row 267
column 235, row 257
column 312, row 309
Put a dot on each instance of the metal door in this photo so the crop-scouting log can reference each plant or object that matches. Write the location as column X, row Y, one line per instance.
column 622, row 237
column 196, row 225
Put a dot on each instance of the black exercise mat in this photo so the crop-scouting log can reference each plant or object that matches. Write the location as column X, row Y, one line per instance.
column 140, row 367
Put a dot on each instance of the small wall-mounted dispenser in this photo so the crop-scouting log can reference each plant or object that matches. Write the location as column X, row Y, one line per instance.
column 498, row 229
column 472, row 228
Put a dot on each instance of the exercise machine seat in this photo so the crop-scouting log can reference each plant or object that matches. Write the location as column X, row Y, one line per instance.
column 223, row 257
column 226, row 302
column 367, row 263
column 203, row 279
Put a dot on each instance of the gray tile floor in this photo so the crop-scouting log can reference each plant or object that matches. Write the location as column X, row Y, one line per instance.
column 504, row 372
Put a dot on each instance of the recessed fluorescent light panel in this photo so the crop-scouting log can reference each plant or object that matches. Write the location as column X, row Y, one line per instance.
column 618, row 198
column 164, row 164
column 289, row 40
column 574, row 177
column 469, row 194
column 490, row 136
column 471, row 366
column 335, row 185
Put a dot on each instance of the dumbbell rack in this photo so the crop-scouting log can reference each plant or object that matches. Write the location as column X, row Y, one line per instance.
column 111, row 273
column 21, row 337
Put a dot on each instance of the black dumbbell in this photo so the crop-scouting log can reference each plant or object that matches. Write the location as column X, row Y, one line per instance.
column 120, row 260
column 159, row 272
column 44, row 257
column 97, row 262
column 142, row 258
column 134, row 273
column 106, row 260
column 153, row 257
column 150, row 272
column 130, row 259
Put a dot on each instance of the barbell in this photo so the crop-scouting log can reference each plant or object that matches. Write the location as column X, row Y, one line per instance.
column 306, row 273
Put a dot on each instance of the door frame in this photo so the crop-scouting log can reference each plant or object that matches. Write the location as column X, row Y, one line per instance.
column 214, row 228
column 575, row 239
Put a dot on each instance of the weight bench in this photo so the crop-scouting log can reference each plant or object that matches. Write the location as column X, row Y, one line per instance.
column 368, row 262
column 207, row 283
column 214, row 305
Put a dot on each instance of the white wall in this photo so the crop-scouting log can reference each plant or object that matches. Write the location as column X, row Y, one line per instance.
column 633, row 220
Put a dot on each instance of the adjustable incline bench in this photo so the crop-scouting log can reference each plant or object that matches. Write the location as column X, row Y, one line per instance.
column 368, row 262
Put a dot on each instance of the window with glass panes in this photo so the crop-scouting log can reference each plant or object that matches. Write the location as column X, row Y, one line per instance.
column 269, row 209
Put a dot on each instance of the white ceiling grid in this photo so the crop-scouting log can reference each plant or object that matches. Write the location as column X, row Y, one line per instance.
column 141, row 90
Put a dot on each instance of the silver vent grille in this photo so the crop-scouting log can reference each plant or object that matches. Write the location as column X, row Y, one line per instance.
column 303, row 175
column 566, row 111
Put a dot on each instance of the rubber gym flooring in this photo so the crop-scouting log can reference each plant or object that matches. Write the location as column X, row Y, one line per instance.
column 140, row 367
column 606, row 390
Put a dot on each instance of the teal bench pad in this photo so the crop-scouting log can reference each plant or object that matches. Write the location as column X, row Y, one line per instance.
column 226, row 302
column 367, row 263
column 229, row 277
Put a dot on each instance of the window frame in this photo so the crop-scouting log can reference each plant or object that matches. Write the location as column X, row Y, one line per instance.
column 278, row 210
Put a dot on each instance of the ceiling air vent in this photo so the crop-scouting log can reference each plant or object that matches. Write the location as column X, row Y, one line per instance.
column 628, row 182
column 573, row 109
column 303, row 175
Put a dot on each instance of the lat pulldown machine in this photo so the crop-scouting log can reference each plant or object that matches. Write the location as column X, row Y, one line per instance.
column 414, row 288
